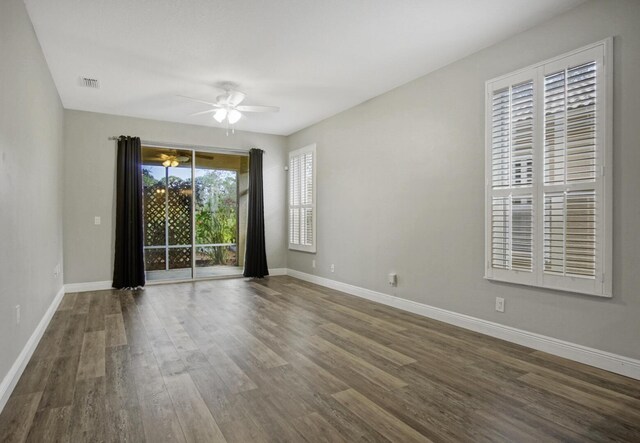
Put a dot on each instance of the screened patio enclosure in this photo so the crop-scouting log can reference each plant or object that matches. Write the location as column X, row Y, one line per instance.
column 195, row 206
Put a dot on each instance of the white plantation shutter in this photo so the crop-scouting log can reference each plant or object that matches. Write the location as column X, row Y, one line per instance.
column 513, row 125
column 548, row 197
column 302, row 204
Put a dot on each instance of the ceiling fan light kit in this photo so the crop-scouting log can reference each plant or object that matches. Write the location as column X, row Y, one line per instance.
column 220, row 115
column 233, row 116
column 172, row 163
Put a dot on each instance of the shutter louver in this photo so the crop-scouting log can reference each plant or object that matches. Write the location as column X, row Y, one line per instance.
column 570, row 233
column 570, row 125
column 512, row 233
column 522, row 233
column 307, row 179
column 581, row 123
column 294, row 224
column 554, row 127
column 500, row 139
column 522, row 134
column 306, row 200
column 294, row 183
column 580, row 241
column 512, row 126
column 306, row 233
column 554, row 233
column 500, row 257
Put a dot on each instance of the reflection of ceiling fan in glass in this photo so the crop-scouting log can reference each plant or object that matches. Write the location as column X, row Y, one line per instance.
column 173, row 160
column 227, row 106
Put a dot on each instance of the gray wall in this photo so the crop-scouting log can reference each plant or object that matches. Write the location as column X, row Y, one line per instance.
column 89, row 184
column 401, row 188
column 30, row 182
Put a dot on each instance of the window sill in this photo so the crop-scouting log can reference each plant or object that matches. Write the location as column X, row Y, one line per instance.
column 574, row 285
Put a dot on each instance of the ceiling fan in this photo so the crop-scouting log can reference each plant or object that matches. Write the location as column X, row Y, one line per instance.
column 227, row 107
column 172, row 160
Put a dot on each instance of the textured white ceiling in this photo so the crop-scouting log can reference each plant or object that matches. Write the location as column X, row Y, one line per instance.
column 313, row 58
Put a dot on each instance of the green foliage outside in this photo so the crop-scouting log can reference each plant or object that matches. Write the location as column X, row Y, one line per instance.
column 216, row 220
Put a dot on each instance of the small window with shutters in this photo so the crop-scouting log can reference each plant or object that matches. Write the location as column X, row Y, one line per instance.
column 302, row 199
column 548, row 173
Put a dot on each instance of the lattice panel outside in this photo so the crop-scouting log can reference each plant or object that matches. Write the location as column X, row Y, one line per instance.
column 179, row 204
column 154, row 215
column 154, row 260
column 179, row 258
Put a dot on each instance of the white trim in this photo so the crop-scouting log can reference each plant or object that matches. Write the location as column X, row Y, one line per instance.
column 278, row 271
column 11, row 379
column 102, row 285
column 594, row 357
column 87, row 286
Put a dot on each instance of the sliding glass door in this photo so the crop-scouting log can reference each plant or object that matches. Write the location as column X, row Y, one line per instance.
column 187, row 237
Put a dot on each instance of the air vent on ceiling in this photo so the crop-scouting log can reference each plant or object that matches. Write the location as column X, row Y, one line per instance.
column 89, row 82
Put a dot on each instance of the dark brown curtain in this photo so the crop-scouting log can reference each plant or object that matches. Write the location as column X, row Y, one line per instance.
column 128, row 267
column 255, row 263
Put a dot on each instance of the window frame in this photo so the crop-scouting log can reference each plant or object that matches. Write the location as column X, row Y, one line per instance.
column 601, row 284
column 295, row 153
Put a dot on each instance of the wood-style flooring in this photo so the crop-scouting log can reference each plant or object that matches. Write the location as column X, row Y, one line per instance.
column 286, row 361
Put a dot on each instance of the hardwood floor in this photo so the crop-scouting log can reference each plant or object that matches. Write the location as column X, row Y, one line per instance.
column 285, row 360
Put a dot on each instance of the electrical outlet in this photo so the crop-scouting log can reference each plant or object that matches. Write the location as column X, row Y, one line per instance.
column 97, row 220
column 332, row 268
column 17, row 314
column 313, row 264
column 499, row 304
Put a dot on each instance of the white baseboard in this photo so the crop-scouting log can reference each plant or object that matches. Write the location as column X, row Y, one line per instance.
column 87, row 286
column 278, row 271
column 594, row 357
column 11, row 379
column 102, row 285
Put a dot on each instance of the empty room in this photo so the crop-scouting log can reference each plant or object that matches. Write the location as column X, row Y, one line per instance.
column 320, row 221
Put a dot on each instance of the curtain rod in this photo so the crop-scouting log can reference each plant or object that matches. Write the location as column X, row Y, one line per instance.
column 156, row 144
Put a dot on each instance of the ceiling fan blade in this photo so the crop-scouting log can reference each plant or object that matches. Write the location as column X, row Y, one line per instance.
column 199, row 101
column 234, row 98
column 208, row 111
column 247, row 108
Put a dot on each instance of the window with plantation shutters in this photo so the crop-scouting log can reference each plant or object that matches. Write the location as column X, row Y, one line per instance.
column 548, row 189
column 302, row 199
